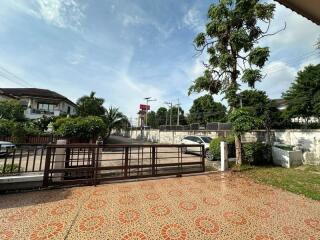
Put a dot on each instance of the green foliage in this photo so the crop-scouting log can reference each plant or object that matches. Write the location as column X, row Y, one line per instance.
column 9, row 168
column 11, row 110
column 230, row 38
column 90, row 106
column 257, row 153
column 19, row 133
column 259, row 56
column 255, row 101
column 161, row 115
column 152, row 120
column 243, row 121
column 6, row 127
column 114, row 119
column 214, row 147
column 43, row 122
column 251, row 76
column 80, row 127
column 206, row 82
column 204, row 110
column 303, row 96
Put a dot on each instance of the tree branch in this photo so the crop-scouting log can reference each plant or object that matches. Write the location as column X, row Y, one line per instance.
column 274, row 33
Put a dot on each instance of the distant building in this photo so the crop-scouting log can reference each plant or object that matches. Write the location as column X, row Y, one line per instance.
column 281, row 104
column 39, row 102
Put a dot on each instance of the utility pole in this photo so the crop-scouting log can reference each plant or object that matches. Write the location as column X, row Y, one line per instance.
column 170, row 104
column 148, row 99
column 178, row 106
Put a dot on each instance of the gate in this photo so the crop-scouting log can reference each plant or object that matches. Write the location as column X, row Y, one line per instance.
column 91, row 164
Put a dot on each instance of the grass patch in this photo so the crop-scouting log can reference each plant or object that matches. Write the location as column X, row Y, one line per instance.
column 305, row 181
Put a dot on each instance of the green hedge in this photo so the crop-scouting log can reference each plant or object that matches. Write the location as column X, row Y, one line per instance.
column 214, row 147
column 80, row 127
column 257, row 153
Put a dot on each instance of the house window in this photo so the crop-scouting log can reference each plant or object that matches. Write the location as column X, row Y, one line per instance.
column 68, row 110
column 46, row 107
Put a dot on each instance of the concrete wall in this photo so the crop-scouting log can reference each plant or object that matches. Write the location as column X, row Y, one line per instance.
column 170, row 137
column 307, row 140
column 285, row 158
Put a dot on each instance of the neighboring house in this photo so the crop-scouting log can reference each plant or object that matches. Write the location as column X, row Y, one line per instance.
column 281, row 104
column 38, row 102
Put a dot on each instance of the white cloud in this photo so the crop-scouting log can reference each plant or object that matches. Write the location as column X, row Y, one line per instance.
column 193, row 20
column 299, row 31
column 60, row 13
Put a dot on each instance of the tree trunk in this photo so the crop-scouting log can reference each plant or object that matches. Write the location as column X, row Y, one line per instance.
column 237, row 142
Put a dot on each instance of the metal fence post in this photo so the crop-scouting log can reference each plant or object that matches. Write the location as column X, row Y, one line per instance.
column 96, row 160
column 126, row 158
column 45, row 182
column 153, row 161
column 203, row 158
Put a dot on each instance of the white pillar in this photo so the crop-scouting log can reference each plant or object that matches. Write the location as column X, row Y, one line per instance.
column 224, row 156
column 60, row 159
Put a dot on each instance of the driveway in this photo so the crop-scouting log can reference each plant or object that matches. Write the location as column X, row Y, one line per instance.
column 212, row 206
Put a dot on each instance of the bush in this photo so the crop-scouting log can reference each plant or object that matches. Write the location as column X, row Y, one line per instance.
column 257, row 153
column 214, row 147
column 80, row 127
column 19, row 133
column 6, row 127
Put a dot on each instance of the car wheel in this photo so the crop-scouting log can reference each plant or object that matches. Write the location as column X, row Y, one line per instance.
column 208, row 155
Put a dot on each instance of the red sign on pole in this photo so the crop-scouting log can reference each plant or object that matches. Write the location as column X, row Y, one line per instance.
column 144, row 107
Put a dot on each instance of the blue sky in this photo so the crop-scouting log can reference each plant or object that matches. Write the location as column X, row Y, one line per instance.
column 126, row 50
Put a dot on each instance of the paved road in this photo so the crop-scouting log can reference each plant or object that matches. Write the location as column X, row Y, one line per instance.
column 123, row 140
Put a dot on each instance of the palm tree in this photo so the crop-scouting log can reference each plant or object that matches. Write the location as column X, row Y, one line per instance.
column 114, row 120
column 90, row 105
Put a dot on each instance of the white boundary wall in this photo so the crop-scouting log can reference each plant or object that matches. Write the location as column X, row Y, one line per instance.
column 307, row 139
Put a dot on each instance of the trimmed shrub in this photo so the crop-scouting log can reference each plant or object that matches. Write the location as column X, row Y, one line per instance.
column 80, row 127
column 257, row 153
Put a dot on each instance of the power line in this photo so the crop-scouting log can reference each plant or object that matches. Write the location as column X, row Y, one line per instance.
column 6, row 74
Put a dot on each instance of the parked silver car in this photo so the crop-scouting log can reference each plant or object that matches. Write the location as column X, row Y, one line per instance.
column 203, row 140
column 6, row 148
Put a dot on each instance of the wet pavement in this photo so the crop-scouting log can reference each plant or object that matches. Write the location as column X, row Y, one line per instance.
column 210, row 206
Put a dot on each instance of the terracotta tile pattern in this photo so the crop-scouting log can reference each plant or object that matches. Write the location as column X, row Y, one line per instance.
column 212, row 206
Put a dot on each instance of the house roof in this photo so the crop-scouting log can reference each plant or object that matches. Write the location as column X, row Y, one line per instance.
column 307, row 8
column 34, row 92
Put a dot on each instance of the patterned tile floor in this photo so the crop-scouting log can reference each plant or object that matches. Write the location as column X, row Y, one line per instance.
column 213, row 206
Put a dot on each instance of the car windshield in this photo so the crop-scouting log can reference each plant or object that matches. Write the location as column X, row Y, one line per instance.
column 206, row 139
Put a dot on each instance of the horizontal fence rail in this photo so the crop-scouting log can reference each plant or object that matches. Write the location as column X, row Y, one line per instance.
column 92, row 164
column 25, row 158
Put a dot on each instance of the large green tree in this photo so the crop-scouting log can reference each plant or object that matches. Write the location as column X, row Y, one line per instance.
column 230, row 39
column 174, row 117
column 303, row 96
column 255, row 100
column 205, row 110
column 152, row 120
column 11, row 110
column 162, row 116
column 90, row 106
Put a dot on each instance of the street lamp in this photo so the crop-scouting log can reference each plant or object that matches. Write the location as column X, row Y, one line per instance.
column 148, row 99
column 170, row 104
